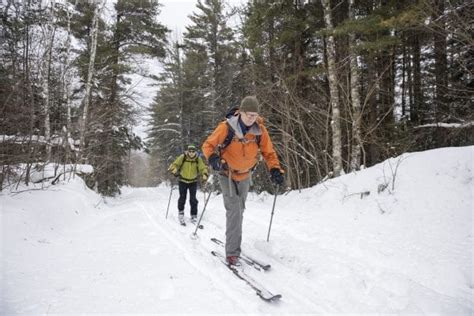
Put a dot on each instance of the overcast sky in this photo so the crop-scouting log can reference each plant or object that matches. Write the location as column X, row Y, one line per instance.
column 174, row 13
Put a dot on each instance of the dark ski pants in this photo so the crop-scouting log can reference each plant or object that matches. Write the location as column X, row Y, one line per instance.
column 183, row 189
column 235, row 195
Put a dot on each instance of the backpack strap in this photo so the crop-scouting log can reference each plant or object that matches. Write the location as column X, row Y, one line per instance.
column 181, row 164
column 230, row 136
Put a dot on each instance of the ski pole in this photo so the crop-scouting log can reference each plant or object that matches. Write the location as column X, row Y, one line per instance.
column 169, row 200
column 273, row 210
column 204, row 209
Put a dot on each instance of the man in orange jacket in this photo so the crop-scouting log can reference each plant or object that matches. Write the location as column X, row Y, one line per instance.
column 235, row 162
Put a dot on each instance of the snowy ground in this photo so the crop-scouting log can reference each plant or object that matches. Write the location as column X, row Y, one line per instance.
column 333, row 248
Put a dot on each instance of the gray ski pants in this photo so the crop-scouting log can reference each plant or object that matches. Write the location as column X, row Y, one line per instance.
column 234, row 194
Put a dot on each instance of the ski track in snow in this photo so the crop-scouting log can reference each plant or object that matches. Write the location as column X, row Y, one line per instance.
column 192, row 257
column 197, row 254
column 202, row 248
column 291, row 295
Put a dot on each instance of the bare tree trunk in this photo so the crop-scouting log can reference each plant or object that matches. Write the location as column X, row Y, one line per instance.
column 418, row 113
column 48, row 34
column 181, row 103
column 66, row 75
column 286, row 146
column 442, row 110
column 90, row 75
column 355, row 97
column 29, row 98
column 333, row 91
column 372, row 151
column 403, row 92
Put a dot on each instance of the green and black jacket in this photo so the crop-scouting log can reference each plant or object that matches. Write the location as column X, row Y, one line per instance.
column 189, row 168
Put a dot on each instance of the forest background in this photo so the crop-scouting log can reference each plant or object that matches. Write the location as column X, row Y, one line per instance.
column 343, row 84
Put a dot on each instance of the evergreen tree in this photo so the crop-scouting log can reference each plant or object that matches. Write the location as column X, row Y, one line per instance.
column 412, row 60
column 196, row 85
column 166, row 132
column 31, row 117
column 135, row 32
column 209, row 68
column 286, row 66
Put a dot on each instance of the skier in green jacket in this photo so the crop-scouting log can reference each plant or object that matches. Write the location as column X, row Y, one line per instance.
column 187, row 167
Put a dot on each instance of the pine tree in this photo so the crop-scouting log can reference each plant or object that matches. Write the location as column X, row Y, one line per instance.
column 29, row 84
column 196, row 85
column 209, row 68
column 166, row 132
column 413, row 61
column 287, row 75
column 135, row 32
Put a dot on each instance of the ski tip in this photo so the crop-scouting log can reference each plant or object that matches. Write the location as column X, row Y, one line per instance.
column 273, row 298
column 276, row 297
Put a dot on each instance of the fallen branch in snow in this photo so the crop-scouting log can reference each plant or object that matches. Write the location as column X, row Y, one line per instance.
column 46, row 179
column 13, row 193
column 361, row 194
column 56, row 178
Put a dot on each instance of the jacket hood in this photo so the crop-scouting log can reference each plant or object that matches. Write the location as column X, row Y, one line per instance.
column 233, row 123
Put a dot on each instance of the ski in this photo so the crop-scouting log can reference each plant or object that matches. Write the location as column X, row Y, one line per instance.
column 249, row 260
column 260, row 290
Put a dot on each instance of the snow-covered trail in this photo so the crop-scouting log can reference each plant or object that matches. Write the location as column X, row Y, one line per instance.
column 127, row 258
column 408, row 251
column 198, row 255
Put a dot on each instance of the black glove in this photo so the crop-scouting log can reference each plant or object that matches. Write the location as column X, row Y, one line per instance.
column 276, row 176
column 215, row 162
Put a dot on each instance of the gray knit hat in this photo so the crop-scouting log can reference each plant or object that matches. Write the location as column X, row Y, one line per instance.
column 249, row 104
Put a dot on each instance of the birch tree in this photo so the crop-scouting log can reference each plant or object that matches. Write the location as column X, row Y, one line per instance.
column 90, row 75
column 355, row 96
column 48, row 40
column 333, row 91
column 66, row 79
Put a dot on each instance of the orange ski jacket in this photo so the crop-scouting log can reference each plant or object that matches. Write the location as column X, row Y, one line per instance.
column 241, row 155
